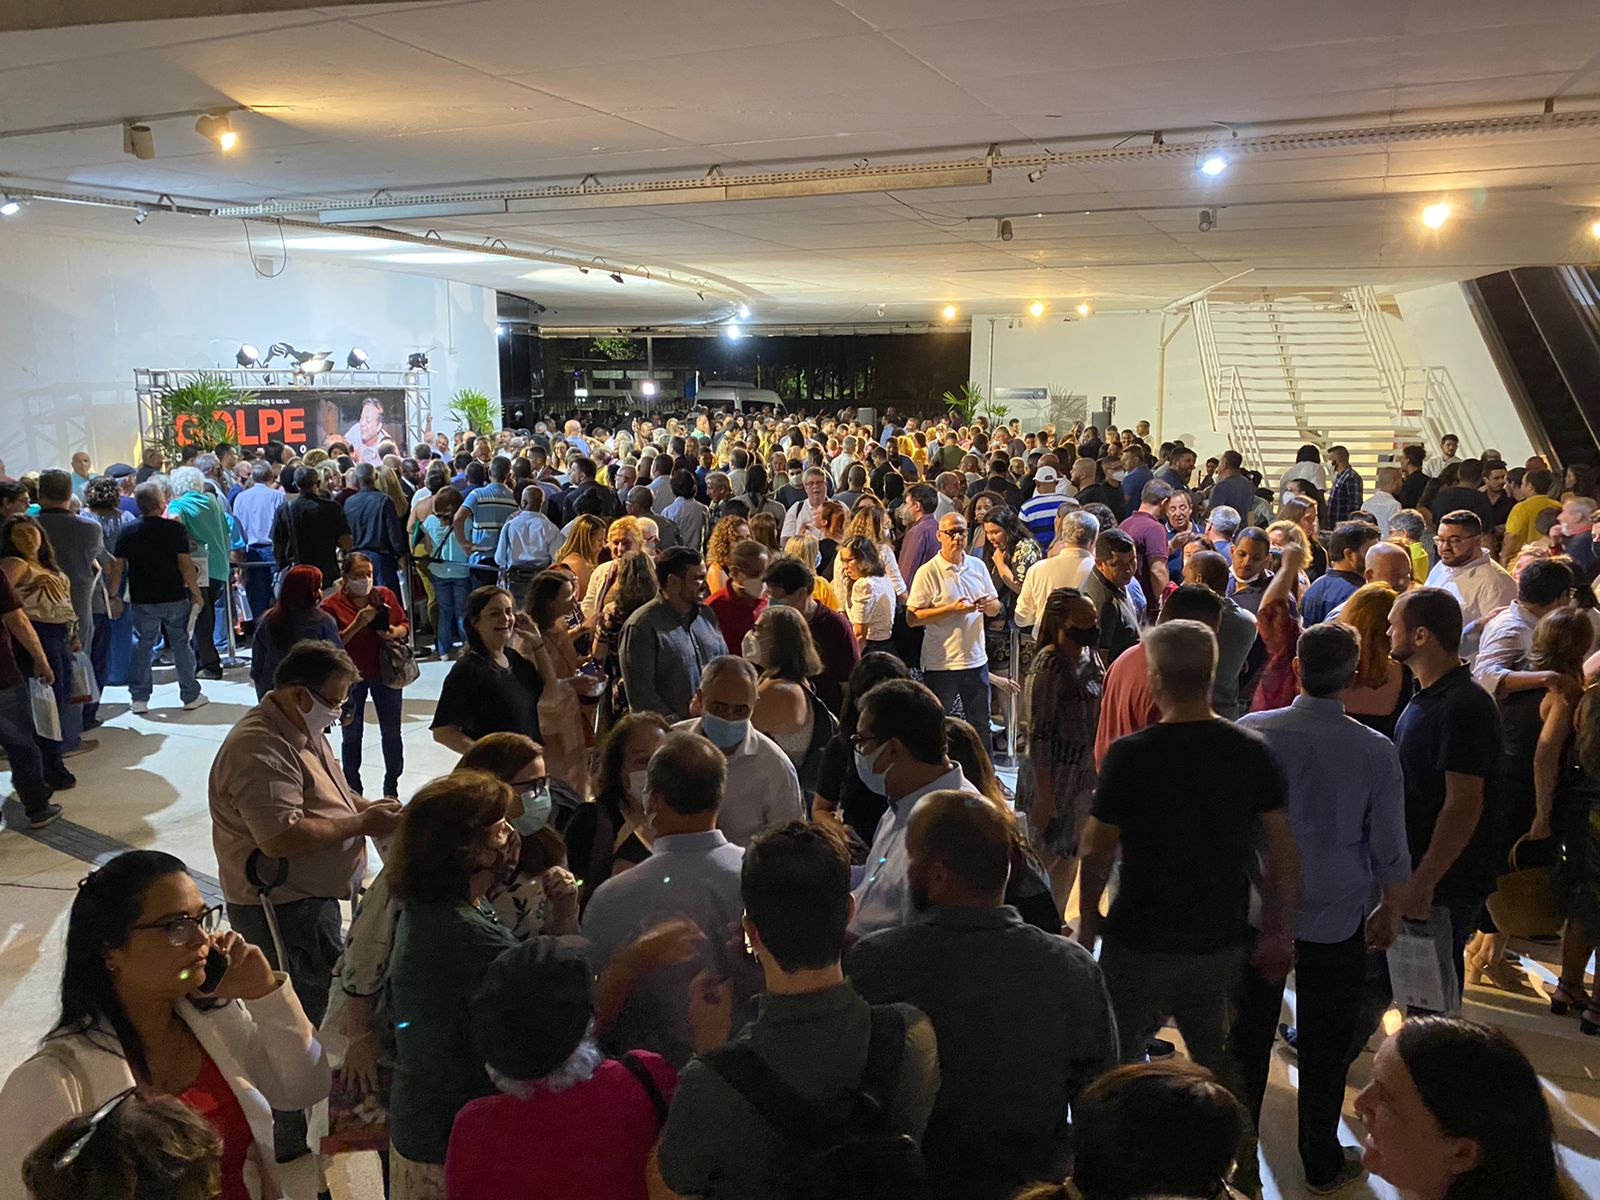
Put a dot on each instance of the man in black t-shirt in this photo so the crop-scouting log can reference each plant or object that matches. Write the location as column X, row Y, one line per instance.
column 163, row 591
column 1450, row 749
column 1465, row 494
column 1176, row 932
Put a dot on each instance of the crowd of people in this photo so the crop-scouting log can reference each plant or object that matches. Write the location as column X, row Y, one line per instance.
column 725, row 896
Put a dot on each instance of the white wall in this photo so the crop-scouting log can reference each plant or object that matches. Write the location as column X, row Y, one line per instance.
column 1438, row 331
column 78, row 314
column 1108, row 354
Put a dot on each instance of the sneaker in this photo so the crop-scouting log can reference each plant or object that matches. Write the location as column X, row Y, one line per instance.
column 211, row 673
column 44, row 816
column 83, row 747
column 1351, row 1172
column 64, row 782
column 140, row 707
column 199, row 701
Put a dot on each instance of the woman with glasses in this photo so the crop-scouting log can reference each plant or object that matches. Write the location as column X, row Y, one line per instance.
column 154, row 995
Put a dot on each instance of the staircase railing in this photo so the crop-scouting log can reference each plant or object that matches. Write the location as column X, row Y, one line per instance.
column 1385, row 353
column 1233, row 406
column 1432, row 394
column 1210, row 359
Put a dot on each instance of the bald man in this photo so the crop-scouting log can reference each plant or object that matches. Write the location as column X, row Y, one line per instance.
column 1385, row 563
column 1000, row 1117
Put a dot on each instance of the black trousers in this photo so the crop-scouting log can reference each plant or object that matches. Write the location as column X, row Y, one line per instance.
column 313, row 937
column 1334, row 1019
column 205, row 648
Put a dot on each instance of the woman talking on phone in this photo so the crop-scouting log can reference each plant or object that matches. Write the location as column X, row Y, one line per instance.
column 154, row 996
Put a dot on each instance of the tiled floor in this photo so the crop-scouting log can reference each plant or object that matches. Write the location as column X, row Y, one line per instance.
column 146, row 786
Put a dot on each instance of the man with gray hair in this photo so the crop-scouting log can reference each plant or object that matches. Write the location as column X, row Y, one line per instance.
column 641, row 506
column 1177, row 932
column 1066, row 568
column 1346, row 797
column 1222, row 523
column 762, row 788
column 201, row 514
column 376, row 527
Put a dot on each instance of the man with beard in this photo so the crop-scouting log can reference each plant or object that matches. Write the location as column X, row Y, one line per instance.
column 1000, row 1119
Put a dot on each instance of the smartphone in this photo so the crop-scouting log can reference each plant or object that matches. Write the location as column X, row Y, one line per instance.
column 216, row 968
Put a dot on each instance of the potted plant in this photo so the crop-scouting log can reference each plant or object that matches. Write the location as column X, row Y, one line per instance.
column 474, row 410
column 200, row 406
column 967, row 401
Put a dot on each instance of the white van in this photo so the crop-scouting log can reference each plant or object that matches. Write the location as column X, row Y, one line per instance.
column 738, row 397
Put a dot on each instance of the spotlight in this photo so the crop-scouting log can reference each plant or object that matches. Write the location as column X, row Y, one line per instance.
column 317, row 362
column 733, row 333
column 1036, row 309
column 1594, row 230
column 949, row 312
column 647, row 388
column 583, row 270
column 248, row 356
column 1035, row 175
column 418, row 361
column 140, row 212
column 1085, row 308
column 218, row 127
column 10, row 206
column 1435, row 215
column 499, row 331
column 356, row 359
column 615, row 278
column 1208, row 220
column 138, row 141
column 744, row 311
column 1002, row 230
column 1213, row 165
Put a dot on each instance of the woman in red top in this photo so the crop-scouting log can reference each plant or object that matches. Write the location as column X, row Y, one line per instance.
column 745, row 597
column 1279, row 630
column 368, row 616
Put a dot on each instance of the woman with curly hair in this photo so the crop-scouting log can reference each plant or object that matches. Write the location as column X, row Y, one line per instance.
column 725, row 534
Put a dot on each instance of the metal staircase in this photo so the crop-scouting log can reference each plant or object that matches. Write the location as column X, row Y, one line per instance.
column 1320, row 366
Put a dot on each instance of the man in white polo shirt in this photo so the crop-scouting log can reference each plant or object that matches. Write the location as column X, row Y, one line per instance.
column 950, row 596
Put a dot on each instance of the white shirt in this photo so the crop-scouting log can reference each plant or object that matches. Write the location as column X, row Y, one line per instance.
column 1383, row 506
column 883, row 898
column 1067, row 568
column 871, row 603
column 1506, row 641
column 762, row 788
column 802, row 519
column 599, row 585
column 841, row 464
column 528, row 538
column 891, row 568
column 661, row 489
column 1312, row 472
column 953, row 642
column 944, row 507
column 1481, row 586
column 1438, row 463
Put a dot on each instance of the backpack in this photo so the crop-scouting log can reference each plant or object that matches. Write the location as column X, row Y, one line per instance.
column 839, row 1151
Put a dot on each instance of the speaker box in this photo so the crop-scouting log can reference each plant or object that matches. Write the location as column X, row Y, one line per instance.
column 867, row 416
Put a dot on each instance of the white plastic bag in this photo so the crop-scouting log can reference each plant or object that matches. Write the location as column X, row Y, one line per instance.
column 1420, row 969
column 85, row 688
column 46, row 717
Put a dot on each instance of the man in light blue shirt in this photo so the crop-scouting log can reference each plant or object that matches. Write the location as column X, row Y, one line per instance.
column 254, row 509
column 1347, row 810
column 529, row 539
column 901, row 751
column 481, row 517
column 692, row 873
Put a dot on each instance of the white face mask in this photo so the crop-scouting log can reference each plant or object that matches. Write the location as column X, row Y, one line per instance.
column 638, row 785
column 321, row 718
column 358, row 587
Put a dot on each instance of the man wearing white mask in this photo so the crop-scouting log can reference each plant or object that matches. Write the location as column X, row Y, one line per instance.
column 901, row 752
column 276, row 788
column 762, row 789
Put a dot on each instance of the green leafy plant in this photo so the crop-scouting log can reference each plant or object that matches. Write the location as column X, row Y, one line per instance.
column 618, row 349
column 198, row 406
column 474, row 410
column 967, row 401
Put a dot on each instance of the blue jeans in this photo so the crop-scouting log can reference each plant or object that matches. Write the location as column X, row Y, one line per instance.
column 385, row 570
column 150, row 622
column 387, row 701
column 23, row 748
column 258, row 579
column 972, row 685
column 99, row 660
column 452, row 594
column 58, row 652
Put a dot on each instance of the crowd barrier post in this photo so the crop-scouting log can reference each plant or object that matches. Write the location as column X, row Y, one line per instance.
column 1015, row 700
column 232, row 658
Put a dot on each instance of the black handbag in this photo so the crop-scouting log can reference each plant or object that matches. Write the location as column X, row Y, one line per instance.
column 397, row 665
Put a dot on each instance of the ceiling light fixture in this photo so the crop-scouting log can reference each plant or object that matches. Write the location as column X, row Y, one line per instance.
column 1208, row 220
column 1036, row 174
column 1213, row 165
column 949, row 312
column 10, row 206
column 499, row 331
column 357, row 358
column 140, row 212
column 615, row 278
column 138, row 141
column 1002, row 229
column 218, row 127
column 1435, row 215
column 744, row 311
column 1036, row 309
column 1594, row 230
column 248, row 356
column 733, row 333
column 417, row 361
column 1085, row 308
column 882, row 308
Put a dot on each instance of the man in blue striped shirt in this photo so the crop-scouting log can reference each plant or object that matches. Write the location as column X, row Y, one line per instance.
column 480, row 518
column 1039, row 513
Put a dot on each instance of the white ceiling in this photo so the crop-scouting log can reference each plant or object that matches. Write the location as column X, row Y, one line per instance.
column 474, row 93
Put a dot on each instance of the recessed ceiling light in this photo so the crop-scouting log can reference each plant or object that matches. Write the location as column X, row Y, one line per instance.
column 1594, row 230
column 1085, row 308
column 1213, row 165
column 10, row 206
column 949, row 312
column 1036, row 309
column 1435, row 215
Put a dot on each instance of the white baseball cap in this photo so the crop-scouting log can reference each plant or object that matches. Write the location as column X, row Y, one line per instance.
column 1046, row 475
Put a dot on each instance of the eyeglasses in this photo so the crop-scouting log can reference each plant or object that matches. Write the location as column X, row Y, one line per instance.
column 81, row 1143
column 952, row 533
column 180, row 931
column 859, row 741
